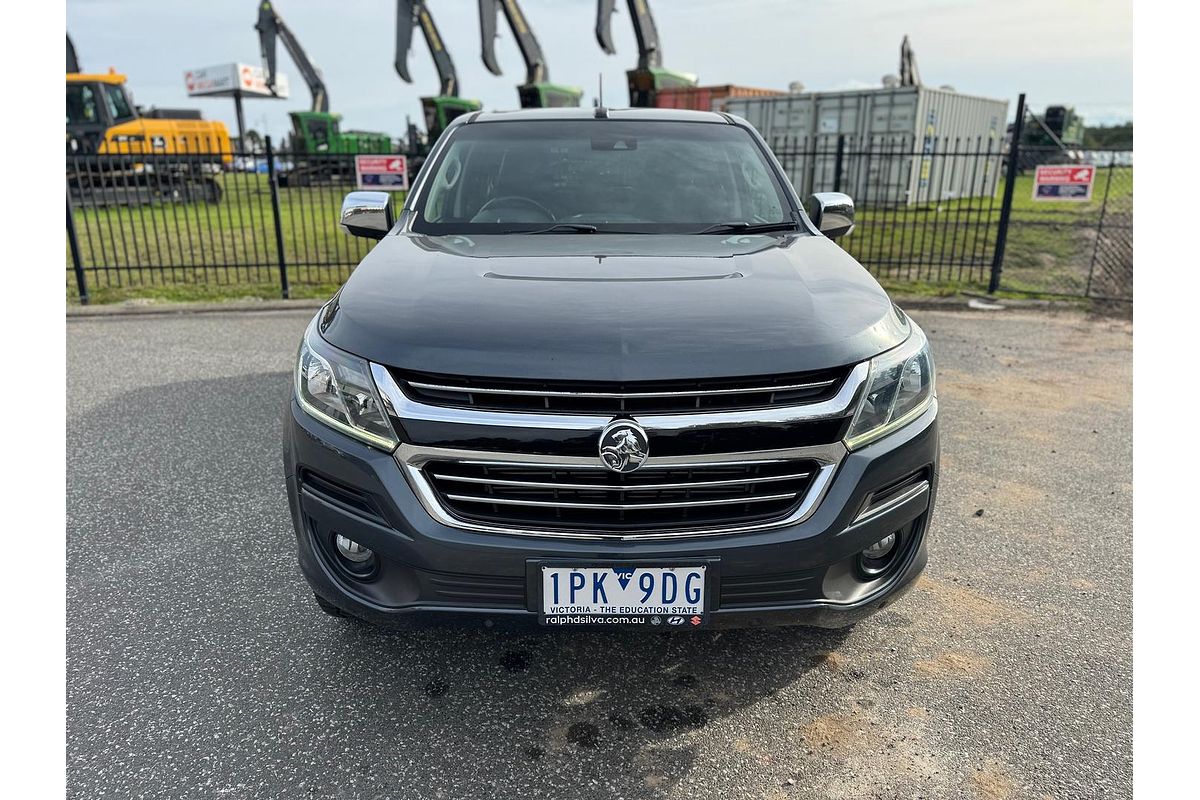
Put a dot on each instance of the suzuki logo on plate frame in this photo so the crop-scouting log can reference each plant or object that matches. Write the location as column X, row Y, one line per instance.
column 624, row 445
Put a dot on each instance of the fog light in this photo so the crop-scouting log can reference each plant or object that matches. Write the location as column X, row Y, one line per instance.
column 352, row 550
column 876, row 552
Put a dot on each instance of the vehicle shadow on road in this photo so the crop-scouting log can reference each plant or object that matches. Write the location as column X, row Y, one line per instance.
column 178, row 519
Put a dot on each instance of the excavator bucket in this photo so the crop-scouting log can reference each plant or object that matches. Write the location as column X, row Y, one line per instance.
column 267, row 33
column 604, row 12
column 489, row 11
column 406, row 20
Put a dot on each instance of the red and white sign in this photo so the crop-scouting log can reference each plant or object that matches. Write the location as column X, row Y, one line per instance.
column 224, row 80
column 1064, row 182
column 382, row 173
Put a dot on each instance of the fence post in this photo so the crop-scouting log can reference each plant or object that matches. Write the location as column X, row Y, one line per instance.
column 73, row 239
column 1010, row 179
column 284, row 286
column 837, row 162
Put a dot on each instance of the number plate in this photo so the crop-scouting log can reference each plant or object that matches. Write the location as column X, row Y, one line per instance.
column 624, row 595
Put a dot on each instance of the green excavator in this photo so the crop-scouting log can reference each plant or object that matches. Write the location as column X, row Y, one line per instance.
column 440, row 109
column 537, row 91
column 316, row 131
column 650, row 75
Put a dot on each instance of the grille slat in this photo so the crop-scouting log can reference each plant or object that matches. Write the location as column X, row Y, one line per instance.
column 547, row 393
column 619, row 506
column 554, row 496
column 610, row 488
column 718, row 394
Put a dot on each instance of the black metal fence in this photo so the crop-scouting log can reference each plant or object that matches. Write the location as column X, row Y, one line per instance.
column 927, row 211
column 931, row 211
column 217, row 223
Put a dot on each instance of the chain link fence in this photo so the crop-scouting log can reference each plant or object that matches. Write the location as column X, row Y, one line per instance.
column 1073, row 248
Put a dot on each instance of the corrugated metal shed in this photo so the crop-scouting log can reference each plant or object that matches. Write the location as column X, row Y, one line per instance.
column 907, row 137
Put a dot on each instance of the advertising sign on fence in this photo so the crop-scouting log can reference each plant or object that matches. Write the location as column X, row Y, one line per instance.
column 382, row 173
column 1058, row 182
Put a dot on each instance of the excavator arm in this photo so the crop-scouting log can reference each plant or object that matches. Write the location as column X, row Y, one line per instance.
column 270, row 27
column 409, row 14
column 649, row 76
column 536, row 70
column 72, row 59
column 649, row 49
column 909, row 75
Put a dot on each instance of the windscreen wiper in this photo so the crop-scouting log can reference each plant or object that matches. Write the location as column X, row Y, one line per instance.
column 563, row 227
column 749, row 227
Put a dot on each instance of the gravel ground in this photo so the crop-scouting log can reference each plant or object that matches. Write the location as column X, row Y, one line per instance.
column 200, row 667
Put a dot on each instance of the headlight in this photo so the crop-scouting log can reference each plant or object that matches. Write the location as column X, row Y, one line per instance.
column 900, row 386
column 336, row 388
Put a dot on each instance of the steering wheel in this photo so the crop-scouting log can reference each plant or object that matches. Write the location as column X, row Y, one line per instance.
column 508, row 200
column 603, row 217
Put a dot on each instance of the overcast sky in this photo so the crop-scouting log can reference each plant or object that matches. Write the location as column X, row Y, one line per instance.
column 1076, row 52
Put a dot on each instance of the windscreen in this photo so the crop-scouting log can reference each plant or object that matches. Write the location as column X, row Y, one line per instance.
column 118, row 103
column 81, row 105
column 613, row 175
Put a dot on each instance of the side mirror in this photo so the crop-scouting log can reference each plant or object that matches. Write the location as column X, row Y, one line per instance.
column 367, row 214
column 831, row 212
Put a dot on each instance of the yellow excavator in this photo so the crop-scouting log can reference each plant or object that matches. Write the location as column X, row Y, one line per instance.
column 106, row 133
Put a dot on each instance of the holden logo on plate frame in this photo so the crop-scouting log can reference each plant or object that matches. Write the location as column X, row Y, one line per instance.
column 624, row 445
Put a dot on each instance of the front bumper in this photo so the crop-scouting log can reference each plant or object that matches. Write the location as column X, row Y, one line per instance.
column 802, row 574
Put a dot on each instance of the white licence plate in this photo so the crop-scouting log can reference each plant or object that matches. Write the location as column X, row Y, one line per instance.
column 622, row 594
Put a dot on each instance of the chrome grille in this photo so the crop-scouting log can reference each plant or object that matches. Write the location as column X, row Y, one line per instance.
column 624, row 398
column 656, row 497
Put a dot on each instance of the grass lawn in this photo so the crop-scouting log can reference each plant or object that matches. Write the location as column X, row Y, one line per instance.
column 933, row 249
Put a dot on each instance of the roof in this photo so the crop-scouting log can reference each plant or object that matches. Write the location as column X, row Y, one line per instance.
column 660, row 114
column 95, row 77
column 878, row 90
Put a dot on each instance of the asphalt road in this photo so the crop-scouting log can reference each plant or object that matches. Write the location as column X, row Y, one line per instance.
column 200, row 667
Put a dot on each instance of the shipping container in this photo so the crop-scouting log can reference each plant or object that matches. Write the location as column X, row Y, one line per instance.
column 707, row 98
column 908, row 144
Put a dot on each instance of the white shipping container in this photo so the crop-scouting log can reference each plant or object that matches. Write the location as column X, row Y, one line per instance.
column 911, row 144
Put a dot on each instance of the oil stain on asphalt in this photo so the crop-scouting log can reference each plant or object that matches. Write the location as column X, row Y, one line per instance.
column 668, row 719
column 584, row 734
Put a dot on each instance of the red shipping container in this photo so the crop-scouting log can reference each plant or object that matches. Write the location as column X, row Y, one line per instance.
column 707, row 98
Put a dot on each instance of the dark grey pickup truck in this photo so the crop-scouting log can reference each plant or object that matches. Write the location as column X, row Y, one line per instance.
column 605, row 368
